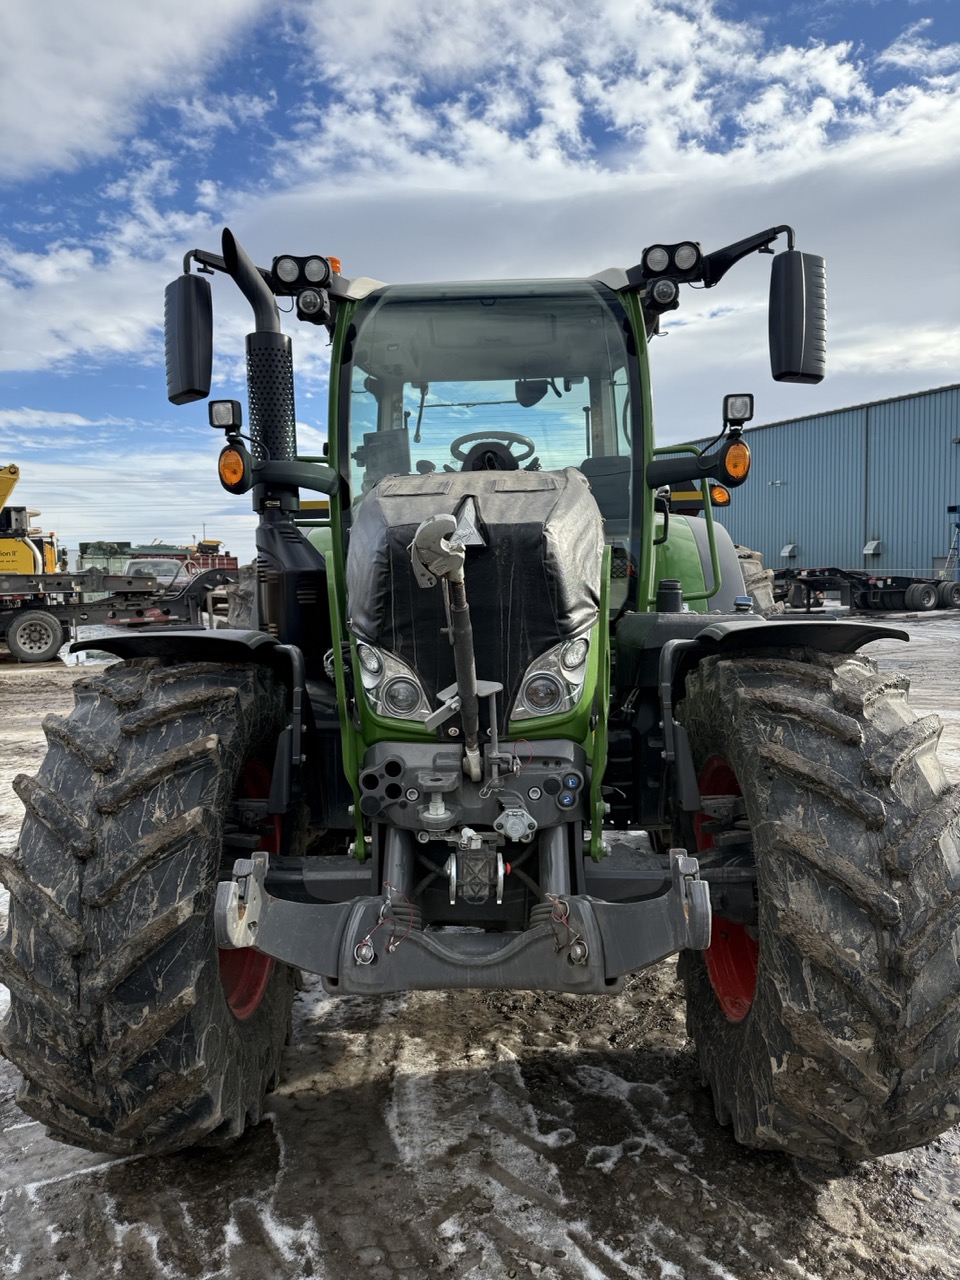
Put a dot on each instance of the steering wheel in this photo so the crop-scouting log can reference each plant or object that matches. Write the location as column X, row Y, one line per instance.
column 506, row 437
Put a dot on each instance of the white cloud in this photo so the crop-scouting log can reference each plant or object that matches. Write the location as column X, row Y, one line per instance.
column 912, row 51
column 430, row 140
column 205, row 115
column 32, row 418
column 75, row 78
column 931, row 349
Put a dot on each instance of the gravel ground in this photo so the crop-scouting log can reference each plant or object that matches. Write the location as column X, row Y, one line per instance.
column 476, row 1135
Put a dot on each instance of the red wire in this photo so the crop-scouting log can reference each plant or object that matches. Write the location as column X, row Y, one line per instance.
column 393, row 944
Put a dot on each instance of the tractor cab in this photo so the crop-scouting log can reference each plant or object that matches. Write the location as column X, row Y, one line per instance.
column 506, row 378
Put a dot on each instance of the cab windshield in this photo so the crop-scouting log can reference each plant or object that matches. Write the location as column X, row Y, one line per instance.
column 488, row 376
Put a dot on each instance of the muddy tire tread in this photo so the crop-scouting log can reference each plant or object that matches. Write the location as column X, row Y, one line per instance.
column 858, row 996
column 117, row 1019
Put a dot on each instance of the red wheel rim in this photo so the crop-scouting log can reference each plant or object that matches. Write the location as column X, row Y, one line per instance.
column 245, row 973
column 732, row 956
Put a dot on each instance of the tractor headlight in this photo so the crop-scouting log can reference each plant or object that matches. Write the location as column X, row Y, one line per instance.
column 391, row 687
column 225, row 414
column 574, row 653
column 402, row 696
column 554, row 682
column 664, row 292
column 737, row 409
column 370, row 660
column 310, row 302
column 686, row 256
column 542, row 693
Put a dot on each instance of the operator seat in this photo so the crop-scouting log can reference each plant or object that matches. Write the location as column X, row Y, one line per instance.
column 609, row 480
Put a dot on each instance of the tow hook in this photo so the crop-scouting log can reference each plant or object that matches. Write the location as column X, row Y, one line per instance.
column 474, row 868
column 239, row 903
column 694, row 893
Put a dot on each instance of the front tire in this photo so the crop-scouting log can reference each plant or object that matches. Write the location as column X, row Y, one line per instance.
column 128, row 1037
column 843, row 1041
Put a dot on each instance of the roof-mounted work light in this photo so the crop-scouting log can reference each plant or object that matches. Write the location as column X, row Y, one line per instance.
column 681, row 261
column 314, row 305
column 289, row 274
column 663, row 295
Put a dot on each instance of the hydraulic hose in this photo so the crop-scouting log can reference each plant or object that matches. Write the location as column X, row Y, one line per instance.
column 461, row 633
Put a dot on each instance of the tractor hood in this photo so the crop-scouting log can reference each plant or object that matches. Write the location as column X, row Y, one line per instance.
column 533, row 563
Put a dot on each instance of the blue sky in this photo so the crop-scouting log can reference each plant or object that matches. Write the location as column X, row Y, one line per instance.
column 426, row 139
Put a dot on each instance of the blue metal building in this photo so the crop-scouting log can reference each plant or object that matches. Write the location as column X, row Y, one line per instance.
column 861, row 488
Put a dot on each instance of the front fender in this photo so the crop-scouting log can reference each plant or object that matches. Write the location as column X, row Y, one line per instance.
column 735, row 635
column 641, row 637
column 224, row 646
column 830, row 634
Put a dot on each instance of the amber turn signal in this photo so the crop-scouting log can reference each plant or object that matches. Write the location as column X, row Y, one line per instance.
column 735, row 462
column 233, row 467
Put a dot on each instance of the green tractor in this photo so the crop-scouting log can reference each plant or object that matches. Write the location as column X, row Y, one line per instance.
column 492, row 646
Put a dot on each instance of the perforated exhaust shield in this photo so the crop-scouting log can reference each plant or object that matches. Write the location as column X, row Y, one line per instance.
column 270, row 381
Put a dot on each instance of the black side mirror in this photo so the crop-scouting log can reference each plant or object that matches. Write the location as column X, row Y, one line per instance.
column 798, row 317
column 188, row 338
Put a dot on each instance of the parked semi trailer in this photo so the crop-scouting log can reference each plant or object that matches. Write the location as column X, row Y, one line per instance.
column 39, row 611
column 863, row 591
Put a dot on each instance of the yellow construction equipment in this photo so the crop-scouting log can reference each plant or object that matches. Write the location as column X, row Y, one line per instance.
column 9, row 476
column 23, row 549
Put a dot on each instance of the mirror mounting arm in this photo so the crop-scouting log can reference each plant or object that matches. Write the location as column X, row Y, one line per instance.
column 717, row 264
column 206, row 262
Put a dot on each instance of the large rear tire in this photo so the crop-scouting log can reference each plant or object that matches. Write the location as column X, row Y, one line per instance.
column 129, row 1037
column 829, row 1025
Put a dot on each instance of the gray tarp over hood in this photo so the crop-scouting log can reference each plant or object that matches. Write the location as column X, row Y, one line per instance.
column 535, row 582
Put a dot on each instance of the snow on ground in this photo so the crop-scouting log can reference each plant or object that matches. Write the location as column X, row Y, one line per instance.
column 478, row 1135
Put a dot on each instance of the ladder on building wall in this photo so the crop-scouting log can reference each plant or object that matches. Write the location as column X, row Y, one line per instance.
column 953, row 555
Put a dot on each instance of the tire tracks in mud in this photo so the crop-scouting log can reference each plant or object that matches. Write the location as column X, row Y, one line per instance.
column 448, row 1135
